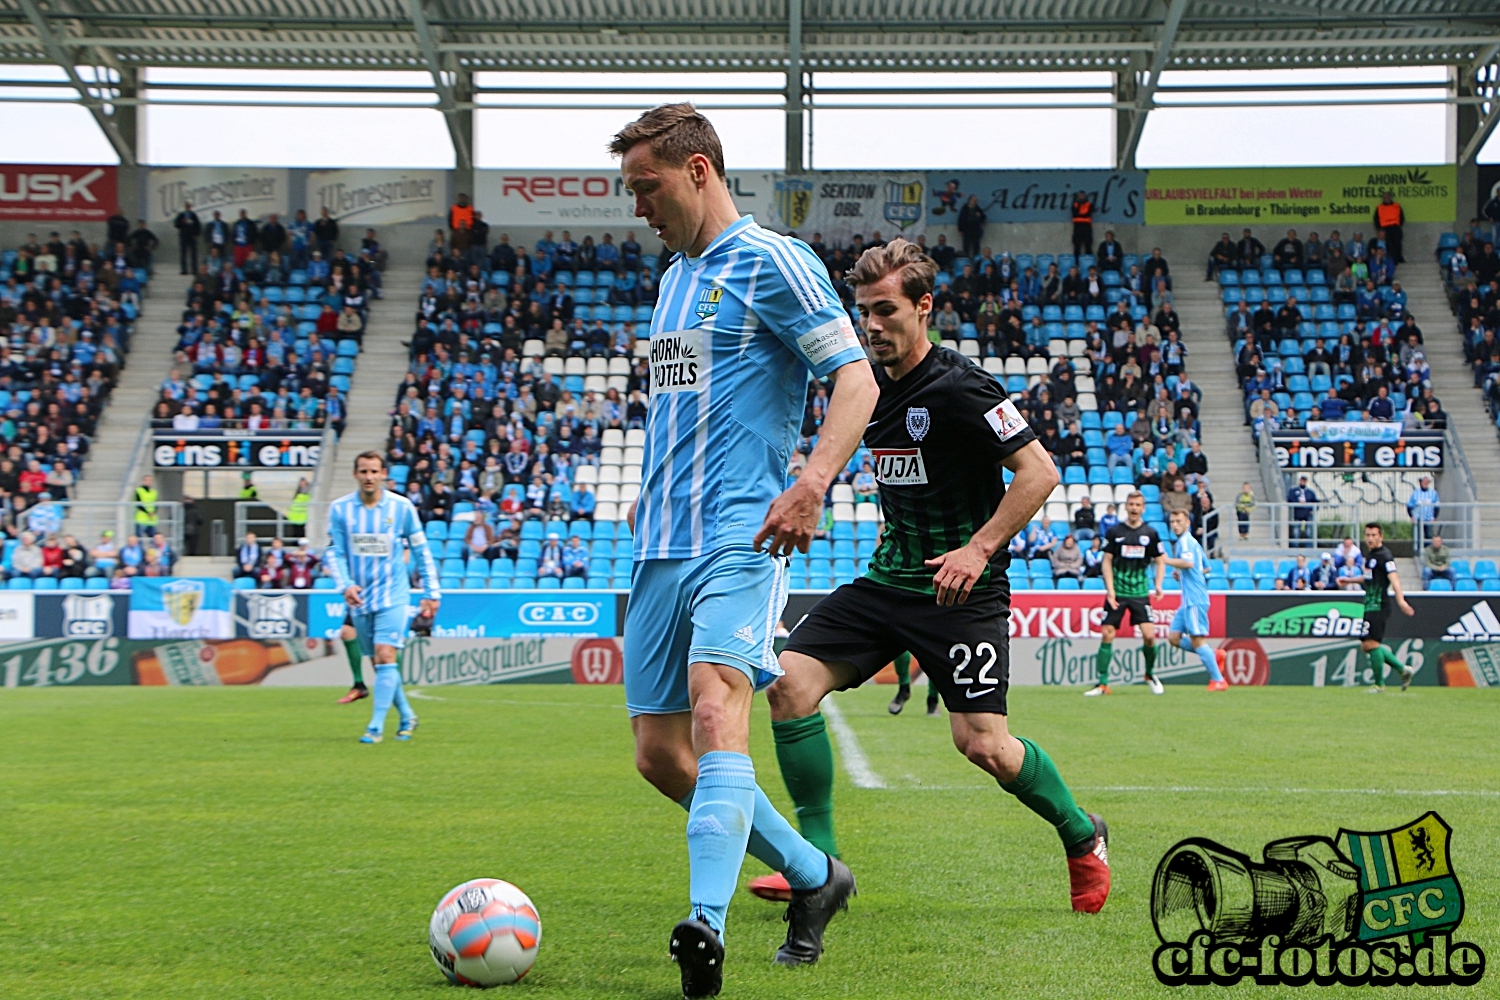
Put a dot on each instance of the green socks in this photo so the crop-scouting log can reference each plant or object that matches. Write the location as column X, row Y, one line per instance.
column 356, row 661
column 1148, row 653
column 1381, row 658
column 1106, row 657
column 806, row 759
column 903, row 670
column 1042, row 790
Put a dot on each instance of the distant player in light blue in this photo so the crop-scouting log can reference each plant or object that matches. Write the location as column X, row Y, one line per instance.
column 1190, row 624
column 366, row 532
column 742, row 315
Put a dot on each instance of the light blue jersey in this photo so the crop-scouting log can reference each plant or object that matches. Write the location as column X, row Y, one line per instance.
column 1195, row 579
column 366, row 549
column 733, row 337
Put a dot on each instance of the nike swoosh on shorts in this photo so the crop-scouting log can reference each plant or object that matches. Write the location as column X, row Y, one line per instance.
column 977, row 694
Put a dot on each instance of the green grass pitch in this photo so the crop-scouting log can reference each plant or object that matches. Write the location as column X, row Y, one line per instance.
column 241, row 843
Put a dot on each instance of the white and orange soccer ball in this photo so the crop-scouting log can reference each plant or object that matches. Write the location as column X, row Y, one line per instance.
column 485, row 933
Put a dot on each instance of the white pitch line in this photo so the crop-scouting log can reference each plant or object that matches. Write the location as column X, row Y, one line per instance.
column 1204, row 790
column 415, row 693
column 855, row 761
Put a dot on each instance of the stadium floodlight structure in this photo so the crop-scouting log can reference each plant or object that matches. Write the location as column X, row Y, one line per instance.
column 1136, row 41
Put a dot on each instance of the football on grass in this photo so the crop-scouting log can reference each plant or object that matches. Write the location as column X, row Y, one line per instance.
column 485, row 933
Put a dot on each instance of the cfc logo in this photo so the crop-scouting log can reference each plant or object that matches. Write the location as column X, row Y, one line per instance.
column 88, row 617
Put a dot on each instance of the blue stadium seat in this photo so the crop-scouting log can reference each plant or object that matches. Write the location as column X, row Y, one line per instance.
column 1433, row 585
column 1466, row 583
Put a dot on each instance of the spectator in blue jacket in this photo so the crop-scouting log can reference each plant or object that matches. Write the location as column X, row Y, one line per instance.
column 1118, row 447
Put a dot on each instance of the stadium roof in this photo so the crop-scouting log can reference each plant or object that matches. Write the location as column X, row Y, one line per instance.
column 449, row 39
column 739, row 34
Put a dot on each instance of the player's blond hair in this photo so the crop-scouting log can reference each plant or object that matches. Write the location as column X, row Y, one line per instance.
column 918, row 271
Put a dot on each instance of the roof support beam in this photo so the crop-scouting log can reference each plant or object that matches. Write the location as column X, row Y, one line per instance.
column 65, row 59
column 1147, row 94
column 1481, row 134
column 794, row 160
column 447, row 104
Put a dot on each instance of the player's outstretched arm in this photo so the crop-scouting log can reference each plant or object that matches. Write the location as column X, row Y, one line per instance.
column 1035, row 476
column 794, row 515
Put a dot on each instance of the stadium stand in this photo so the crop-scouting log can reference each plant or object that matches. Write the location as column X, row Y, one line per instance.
column 270, row 341
column 69, row 307
column 1470, row 270
column 1321, row 331
column 518, row 427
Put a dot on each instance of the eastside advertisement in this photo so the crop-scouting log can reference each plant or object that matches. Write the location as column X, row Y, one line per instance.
column 1297, row 197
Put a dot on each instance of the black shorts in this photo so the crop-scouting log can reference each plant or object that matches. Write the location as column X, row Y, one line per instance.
column 964, row 649
column 1139, row 608
column 1375, row 622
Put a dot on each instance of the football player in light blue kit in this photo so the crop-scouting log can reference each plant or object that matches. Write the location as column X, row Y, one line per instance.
column 366, row 530
column 1190, row 625
column 743, row 314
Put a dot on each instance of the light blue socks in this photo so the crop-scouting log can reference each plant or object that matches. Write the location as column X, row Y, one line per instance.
column 718, row 831
column 1206, row 654
column 388, row 689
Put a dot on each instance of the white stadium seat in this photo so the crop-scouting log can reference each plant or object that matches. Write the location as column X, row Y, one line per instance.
column 533, row 349
column 635, row 438
column 618, row 366
column 1037, row 366
column 607, row 491
column 629, row 492
column 605, row 510
column 1015, row 366
column 844, row 511
column 866, row 512
column 843, row 493
column 611, row 454
column 597, row 366
column 575, row 366
column 613, row 438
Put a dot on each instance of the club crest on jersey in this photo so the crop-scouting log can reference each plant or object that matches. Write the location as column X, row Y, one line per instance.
column 708, row 301
column 917, row 422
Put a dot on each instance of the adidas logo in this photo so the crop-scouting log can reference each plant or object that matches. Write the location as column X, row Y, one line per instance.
column 747, row 634
column 1478, row 625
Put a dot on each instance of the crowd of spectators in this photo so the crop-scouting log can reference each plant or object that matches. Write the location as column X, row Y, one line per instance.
column 67, row 309
column 271, row 329
column 1471, row 275
column 1310, row 348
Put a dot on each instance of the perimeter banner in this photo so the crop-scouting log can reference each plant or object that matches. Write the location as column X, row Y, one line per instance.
column 58, row 193
column 370, row 197
column 1297, row 197
column 1118, row 196
column 841, row 204
column 258, row 190
column 587, row 198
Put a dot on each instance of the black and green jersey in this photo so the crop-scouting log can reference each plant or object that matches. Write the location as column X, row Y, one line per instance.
column 1379, row 565
column 937, row 438
column 1133, row 553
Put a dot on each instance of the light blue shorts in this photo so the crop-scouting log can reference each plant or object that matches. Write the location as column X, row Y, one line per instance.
column 1190, row 619
column 718, row 608
column 386, row 627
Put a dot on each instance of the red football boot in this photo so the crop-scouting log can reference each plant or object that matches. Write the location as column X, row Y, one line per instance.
column 773, row 887
column 1088, row 873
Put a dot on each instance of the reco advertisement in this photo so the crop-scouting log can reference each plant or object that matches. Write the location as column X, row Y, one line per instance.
column 558, row 199
column 53, row 193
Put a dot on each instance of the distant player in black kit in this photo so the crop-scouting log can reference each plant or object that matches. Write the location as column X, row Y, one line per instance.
column 942, row 434
column 1381, row 581
column 1132, row 551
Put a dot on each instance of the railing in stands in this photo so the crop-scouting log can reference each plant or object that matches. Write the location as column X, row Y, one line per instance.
column 265, row 528
column 1470, row 527
column 86, row 519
